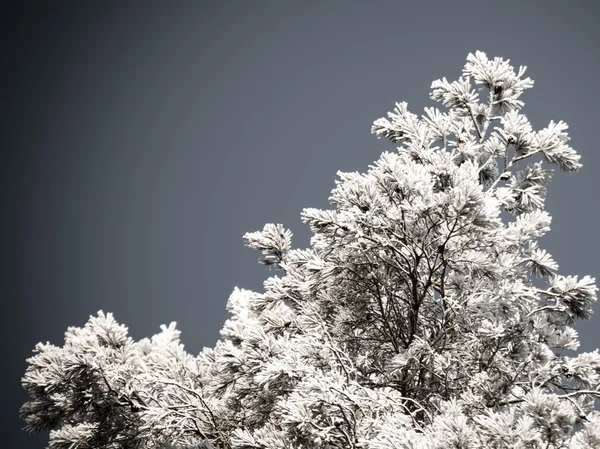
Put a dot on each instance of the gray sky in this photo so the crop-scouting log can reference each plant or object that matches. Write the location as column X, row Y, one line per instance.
column 141, row 140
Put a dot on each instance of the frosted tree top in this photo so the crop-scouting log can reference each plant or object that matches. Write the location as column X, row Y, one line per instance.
column 420, row 316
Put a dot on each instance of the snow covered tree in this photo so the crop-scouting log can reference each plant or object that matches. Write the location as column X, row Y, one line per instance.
column 423, row 315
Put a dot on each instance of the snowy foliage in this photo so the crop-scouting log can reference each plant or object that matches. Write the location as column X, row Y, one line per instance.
column 421, row 316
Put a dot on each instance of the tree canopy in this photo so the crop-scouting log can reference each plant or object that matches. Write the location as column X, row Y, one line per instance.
column 424, row 314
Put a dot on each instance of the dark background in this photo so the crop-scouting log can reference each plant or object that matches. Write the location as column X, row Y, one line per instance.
column 141, row 140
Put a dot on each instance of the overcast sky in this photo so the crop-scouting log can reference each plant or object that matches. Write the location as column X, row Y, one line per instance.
column 141, row 140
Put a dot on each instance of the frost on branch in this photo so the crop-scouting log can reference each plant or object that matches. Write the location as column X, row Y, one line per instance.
column 102, row 389
column 273, row 241
column 420, row 316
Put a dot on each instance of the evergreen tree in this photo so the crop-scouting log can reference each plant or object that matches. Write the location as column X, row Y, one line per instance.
column 423, row 315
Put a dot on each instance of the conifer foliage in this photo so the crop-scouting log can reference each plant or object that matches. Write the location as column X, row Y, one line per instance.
column 424, row 314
